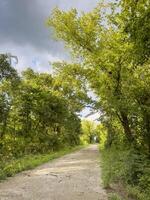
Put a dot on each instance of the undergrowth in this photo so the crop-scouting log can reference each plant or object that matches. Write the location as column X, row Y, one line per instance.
column 8, row 169
column 128, row 167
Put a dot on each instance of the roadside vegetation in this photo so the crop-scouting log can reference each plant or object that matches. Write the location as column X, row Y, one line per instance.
column 126, row 173
column 39, row 115
column 31, row 161
column 111, row 50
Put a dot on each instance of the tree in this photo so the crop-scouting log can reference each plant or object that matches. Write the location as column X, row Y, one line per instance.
column 6, row 71
column 104, row 56
column 136, row 19
column 89, row 131
column 8, row 80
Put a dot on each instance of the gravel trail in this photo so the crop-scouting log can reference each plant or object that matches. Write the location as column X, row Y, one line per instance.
column 75, row 176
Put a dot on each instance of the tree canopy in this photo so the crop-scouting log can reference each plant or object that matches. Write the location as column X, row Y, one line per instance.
column 105, row 44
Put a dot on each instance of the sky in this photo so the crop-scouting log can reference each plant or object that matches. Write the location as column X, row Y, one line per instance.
column 23, row 32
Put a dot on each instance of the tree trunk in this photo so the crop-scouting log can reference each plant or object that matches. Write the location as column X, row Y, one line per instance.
column 126, row 126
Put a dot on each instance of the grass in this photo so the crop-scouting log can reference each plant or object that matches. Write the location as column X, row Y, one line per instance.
column 135, row 193
column 31, row 161
column 114, row 196
column 125, row 173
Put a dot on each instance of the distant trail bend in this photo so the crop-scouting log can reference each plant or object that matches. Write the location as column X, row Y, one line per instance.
column 75, row 176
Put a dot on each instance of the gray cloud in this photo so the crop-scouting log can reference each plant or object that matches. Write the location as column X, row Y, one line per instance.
column 23, row 31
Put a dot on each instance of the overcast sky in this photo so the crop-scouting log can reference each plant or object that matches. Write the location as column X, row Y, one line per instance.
column 23, row 32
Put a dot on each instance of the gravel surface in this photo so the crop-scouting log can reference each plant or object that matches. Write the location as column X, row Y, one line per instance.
column 75, row 176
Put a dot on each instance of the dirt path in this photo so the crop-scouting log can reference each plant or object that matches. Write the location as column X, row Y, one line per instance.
column 73, row 177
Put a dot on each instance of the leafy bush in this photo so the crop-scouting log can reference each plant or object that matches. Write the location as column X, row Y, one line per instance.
column 114, row 197
column 129, row 166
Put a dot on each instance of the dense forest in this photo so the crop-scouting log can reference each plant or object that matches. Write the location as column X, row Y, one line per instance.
column 110, row 49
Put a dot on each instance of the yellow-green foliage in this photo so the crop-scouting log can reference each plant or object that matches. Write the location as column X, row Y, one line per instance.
column 102, row 133
column 114, row 197
column 38, row 113
column 128, row 166
column 88, row 131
